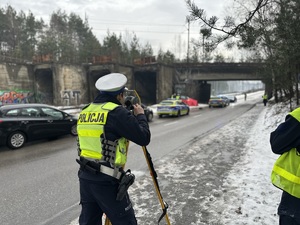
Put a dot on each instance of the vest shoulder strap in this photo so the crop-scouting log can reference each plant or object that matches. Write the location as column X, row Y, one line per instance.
column 109, row 106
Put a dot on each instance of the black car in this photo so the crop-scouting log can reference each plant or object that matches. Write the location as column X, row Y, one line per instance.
column 148, row 112
column 21, row 123
column 232, row 98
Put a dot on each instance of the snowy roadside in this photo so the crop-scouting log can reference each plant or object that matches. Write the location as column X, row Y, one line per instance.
column 252, row 199
column 229, row 185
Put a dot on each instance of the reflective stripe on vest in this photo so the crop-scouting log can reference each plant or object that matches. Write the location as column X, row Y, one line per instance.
column 286, row 171
column 90, row 126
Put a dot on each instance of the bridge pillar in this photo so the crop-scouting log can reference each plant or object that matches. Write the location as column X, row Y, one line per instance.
column 204, row 92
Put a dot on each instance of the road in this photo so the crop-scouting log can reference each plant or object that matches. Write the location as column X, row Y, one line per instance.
column 39, row 184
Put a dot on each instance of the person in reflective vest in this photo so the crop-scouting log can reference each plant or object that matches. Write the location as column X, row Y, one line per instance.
column 104, row 129
column 265, row 99
column 285, row 140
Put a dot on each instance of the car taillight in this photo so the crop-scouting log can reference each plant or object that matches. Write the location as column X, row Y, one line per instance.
column 1, row 121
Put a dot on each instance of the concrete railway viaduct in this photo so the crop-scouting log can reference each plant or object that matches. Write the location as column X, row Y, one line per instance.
column 69, row 85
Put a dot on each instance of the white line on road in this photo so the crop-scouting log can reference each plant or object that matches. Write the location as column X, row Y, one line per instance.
column 168, row 124
column 197, row 116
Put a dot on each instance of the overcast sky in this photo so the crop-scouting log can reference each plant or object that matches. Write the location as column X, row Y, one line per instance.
column 161, row 23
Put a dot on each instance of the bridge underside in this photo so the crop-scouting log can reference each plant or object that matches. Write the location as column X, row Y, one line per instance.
column 220, row 76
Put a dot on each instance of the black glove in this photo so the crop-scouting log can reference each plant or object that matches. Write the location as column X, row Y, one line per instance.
column 126, row 181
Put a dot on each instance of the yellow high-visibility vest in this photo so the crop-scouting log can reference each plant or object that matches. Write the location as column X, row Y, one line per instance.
column 90, row 126
column 286, row 170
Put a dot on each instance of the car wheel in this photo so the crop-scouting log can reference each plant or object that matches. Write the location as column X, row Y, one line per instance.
column 160, row 116
column 74, row 130
column 178, row 113
column 188, row 112
column 149, row 117
column 16, row 140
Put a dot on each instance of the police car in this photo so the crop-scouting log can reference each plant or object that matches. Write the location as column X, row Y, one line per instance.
column 171, row 107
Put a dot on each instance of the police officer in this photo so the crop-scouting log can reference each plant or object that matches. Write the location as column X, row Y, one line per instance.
column 285, row 140
column 265, row 99
column 104, row 128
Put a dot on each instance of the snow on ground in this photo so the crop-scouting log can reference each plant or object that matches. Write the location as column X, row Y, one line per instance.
column 255, row 199
column 229, row 185
column 244, row 195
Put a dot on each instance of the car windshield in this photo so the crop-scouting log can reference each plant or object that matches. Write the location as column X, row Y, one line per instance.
column 166, row 103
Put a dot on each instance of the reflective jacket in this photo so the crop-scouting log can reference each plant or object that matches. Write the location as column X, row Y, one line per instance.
column 90, row 127
column 286, row 171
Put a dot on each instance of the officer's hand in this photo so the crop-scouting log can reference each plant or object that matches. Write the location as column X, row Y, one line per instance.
column 138, row 109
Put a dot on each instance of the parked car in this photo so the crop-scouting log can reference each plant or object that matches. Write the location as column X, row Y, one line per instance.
column 21, row 123
column 217, row 101
column 148, row 112
column 172, row 108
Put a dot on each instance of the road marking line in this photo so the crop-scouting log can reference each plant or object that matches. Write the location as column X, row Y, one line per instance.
column 168, row 124
column 197, row 116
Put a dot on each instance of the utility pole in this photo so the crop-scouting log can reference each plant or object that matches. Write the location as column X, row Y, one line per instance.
column 188, row 19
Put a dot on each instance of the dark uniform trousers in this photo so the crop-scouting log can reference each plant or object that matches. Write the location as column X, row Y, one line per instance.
column 288, row 210
column 287, row 220
column 98, row 197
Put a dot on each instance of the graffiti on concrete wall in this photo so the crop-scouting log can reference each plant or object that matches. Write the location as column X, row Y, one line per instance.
column 44, row 97
column 17, row 96
column 70, row 97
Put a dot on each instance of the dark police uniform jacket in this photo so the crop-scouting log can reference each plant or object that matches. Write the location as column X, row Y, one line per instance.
column 120, row 123
column 283, row 139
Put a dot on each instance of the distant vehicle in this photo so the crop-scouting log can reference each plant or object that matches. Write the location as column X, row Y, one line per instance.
column 172, row 107
column 232, row 98
column 217, row 101
column 225, row 98
column 148, row 112
column 189, row 101
column 21, row 123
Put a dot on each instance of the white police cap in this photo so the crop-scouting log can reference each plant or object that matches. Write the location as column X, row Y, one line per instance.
column 111, row 83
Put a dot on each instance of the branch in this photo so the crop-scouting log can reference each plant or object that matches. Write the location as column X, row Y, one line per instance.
column 200, row 14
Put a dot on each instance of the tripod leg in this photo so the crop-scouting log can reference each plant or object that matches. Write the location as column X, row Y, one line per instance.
column 107, row 221
column 155, row 182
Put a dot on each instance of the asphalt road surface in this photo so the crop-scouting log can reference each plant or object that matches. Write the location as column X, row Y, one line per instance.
column 39, row 184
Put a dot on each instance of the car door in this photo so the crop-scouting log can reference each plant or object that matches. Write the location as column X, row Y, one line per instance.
column 11, row 121
column 33, row 123
column 183, row 108
column 58, row 122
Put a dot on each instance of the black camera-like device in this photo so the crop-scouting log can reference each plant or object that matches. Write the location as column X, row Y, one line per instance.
column 130, row 101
